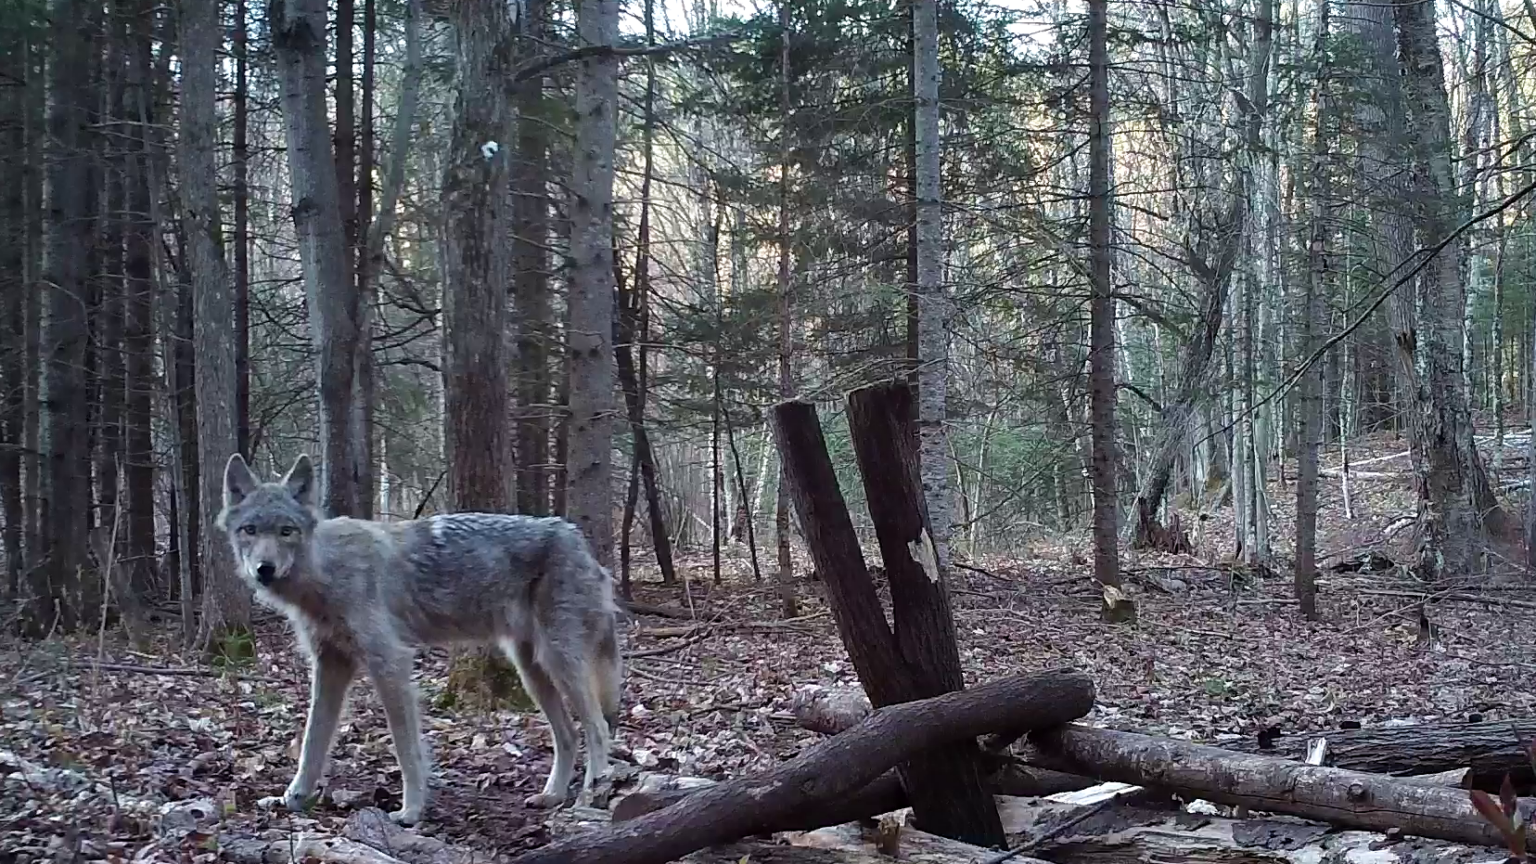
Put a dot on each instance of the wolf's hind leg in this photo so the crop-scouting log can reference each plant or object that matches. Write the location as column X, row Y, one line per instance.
column 577, row 681
column 330, row 676
column 547, row 696
column 392, row 678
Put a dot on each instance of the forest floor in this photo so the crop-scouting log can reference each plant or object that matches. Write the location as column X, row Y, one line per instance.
column 1217, row 654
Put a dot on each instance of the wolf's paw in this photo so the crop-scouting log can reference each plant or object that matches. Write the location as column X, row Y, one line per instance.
column 544, row 800
column 406, row 816
column 292, row 800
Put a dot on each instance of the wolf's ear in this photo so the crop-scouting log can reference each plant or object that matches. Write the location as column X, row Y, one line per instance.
column 300, row 480
column 238, row 480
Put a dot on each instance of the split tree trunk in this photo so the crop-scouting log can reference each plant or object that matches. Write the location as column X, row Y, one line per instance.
column 948, row 796
column 946, row 788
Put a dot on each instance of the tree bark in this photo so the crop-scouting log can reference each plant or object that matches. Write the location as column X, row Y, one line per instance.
column 1101, row 349
column 784, row 579
column 1312, row 421
column 476, row 268
column 226, row 608
column 932, row 302
column 298, row 30
column 1131, row 835
column 14, row 153
column 1350, row 799
column 530, row 237
column 64, row 401
column 590, row 335
column 946, row 786
column 1491, row 749
column 242, row 240
column 1458, row 511
column 140, row 458
column 829, row 770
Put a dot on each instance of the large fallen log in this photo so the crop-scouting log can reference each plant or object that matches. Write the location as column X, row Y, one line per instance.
column 370, row 838
column 882, row 795
column 833, row 710
column 829, row 770
column 1490, row 749
column 1351, row 799
column 1141, row 835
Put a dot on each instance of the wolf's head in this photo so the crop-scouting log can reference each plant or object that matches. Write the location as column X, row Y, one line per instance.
column 269, row 524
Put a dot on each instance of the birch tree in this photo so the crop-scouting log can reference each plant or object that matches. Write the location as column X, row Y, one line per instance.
column 932, row 304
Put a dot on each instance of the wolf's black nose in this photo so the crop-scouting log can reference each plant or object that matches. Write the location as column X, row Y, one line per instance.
column 264, row 572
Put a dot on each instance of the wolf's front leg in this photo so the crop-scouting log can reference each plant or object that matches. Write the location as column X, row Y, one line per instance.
column 392, row 678
column 330, row 676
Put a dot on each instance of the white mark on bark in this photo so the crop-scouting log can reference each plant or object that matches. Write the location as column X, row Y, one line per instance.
column 924, row 553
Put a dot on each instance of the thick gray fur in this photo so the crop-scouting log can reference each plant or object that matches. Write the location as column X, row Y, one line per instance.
column 365, row 595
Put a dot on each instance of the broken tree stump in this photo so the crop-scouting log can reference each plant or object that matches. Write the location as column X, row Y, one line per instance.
column 947, row 793
column 745, row 806
column 1351, row 799
column 1490, row 748
column 946, row 785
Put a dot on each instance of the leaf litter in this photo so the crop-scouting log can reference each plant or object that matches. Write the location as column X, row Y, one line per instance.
column 99, row 753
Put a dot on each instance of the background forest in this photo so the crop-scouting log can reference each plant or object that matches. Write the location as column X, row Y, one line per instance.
column 380, row 232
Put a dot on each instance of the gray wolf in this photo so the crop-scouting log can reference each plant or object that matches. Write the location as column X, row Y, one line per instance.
column 365, row 595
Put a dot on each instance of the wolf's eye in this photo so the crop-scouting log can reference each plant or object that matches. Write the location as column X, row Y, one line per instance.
column 248, row 529
column 286, row 531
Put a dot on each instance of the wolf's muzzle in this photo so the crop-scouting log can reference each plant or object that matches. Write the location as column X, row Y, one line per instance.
column 265, row 572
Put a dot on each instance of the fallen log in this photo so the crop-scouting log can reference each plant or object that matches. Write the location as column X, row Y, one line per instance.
column 829, row 770
column 833, row 710
column 882, row 795
column 370, row 838
column 1351, row 799
column 1138, row 835
column 1490, row 748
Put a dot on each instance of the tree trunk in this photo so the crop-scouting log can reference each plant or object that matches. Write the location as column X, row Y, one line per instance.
column 72, row 184
column 140, row 459
column 947, row 793
column 631, row 303
column 1457, row 508
column 932, row 302
column 589, row 338
column 14, row 153
column 530, row 237
column 1305, row 576
column 226, row 609
column 784, row 580
column 242, row 240
column 1180, row 412
column 298, row 30
column 1101, row 356
column 475, row 205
